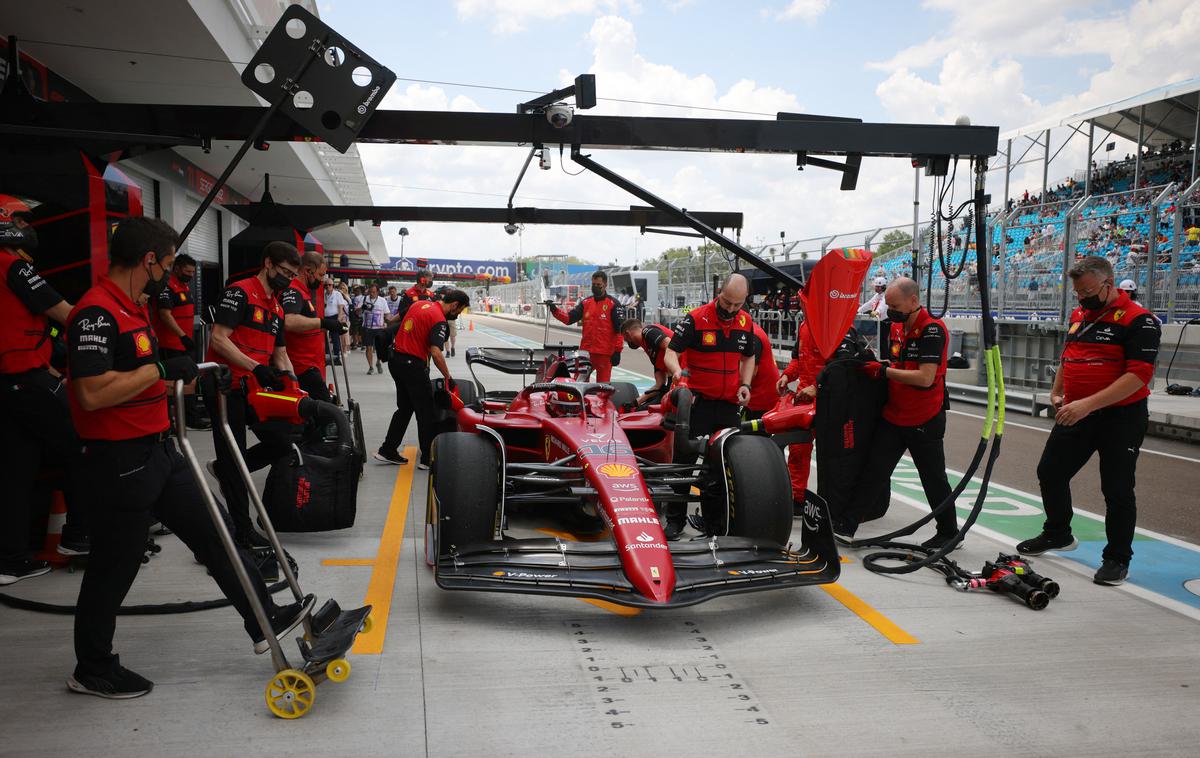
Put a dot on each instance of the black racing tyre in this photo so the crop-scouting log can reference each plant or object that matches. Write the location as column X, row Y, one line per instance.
column 760, row 490
column 464, row 492
column 623, row 394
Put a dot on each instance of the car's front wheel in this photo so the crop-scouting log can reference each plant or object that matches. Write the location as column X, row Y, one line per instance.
column 463, row 500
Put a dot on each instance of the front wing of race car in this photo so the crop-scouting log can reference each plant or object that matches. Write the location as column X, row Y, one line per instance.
column 704, row 568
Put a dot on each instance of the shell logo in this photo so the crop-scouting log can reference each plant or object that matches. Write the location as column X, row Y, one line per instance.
column 709, row 338
column 895, row 348
column 260, row 316
column 408, row 324
column 141, row 344
column 617, row 470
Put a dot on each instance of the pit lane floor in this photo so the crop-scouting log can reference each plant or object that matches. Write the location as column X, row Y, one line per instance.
column 878, row 665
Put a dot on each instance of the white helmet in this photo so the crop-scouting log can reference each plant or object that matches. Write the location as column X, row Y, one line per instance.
column 1128, row 285
column 880, row 281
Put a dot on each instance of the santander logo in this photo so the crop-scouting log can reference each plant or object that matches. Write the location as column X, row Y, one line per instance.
column 838, row 295
column 643, row 537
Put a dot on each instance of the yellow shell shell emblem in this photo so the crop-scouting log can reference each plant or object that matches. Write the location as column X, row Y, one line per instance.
column 617, row 470
column 408, row 325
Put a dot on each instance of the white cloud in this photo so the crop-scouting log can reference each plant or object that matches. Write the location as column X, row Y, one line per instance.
column 510, row 16
column 767, row 189
column 807, row 11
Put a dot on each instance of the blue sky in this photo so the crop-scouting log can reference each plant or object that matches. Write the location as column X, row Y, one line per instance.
column 1001, row 63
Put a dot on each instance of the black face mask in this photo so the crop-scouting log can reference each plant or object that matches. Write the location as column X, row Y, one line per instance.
column 597, row 290
column 725, row 315
column 183, row 279
column 154, row 286
column 897, row 317
column 1092, row 302
column 278, row 281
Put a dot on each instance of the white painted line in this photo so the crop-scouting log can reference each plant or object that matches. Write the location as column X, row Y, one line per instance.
column 1047, row 431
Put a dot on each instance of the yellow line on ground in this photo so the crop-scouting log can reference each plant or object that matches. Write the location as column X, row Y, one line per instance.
column 348, row 562
column 882, row 623
column 387, row 560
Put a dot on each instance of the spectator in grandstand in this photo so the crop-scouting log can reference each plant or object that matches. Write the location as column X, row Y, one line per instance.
column 1193, row 236
column 1099, row 396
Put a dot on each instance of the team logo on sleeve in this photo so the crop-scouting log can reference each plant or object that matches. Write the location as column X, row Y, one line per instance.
column 708, row 338
column 1074, row 328
column 1118, row 314
column 141, row 344
column 741, row 319
column 260, row 316
column 408, row 324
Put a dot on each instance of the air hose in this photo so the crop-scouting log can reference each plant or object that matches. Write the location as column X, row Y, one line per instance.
column 158, row 609
column 905, row 557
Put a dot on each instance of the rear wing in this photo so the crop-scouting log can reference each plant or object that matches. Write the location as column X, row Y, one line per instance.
column 522, row 361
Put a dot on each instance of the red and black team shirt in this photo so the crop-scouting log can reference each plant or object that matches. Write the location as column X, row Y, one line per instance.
column 601, row 319
column 305, row 349
column 714, row 350
column 412, row 296
column 176, row 298
column 24, row 329
column 1101, row 348
column 256, row 320
column 763, row 395
column 423, row 327
column 108, row 332
column 655, row 339
column 926, row 342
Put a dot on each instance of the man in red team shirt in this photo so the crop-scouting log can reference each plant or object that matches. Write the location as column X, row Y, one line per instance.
column 914, row 417
column 421, row 336
column 248, row 336
column 653, row 340
column 1099, row 397
column 303, row 302
column 134, row 471
column 174, row 323
column 601, row 315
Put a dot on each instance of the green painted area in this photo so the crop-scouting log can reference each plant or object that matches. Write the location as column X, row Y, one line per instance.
column 1005, row 510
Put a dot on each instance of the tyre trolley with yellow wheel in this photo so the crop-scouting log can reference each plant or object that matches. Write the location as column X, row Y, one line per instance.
column 329, row 632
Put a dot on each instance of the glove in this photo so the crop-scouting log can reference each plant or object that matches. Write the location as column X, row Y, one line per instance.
column 616, row 358
column 451, row 385
column 182, row 367
column 331, row 324
column 189, row 344
column 553, row 308
column 873, row 369
column 224, row 378
column 267, row 376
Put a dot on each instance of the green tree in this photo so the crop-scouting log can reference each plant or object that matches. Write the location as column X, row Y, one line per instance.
column 896, row 239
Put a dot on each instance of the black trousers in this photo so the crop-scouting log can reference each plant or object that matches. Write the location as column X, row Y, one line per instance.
column 1115, row 433
column 924, row 444
column 312, row 381
column 191, row 403
column 35, row 431
column 414, row 395
column 134, row 483
column 707, row 417
column 259, row 456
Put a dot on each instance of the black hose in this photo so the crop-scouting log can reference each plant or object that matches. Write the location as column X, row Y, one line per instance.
column 161, row 609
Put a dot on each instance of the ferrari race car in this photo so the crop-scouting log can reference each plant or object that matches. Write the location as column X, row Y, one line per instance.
column 580, row 448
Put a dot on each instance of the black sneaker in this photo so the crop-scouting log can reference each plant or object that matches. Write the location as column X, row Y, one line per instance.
column 14, row 571
column 937, row 541
column 423, row 463
column 1044, row 542
column 1111, row 573
column 843, row 533
column 74, row 545
column 673, row 526
column 118, row 684
column 199, row 424
column 390, row 456
column 283, row 621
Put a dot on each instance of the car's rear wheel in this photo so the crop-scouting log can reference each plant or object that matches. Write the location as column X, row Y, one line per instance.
column 760, row 492
column 464, row 493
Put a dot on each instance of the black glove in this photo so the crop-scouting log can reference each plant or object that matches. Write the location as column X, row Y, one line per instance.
column 267, row 377
column 616, row 358
column 224, row 378
column 451, row 385
column 189, row 344
column 553, row 308
column 331, row 324
column 180, row 367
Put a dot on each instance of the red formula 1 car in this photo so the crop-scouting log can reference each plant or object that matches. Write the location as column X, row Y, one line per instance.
column 577, row 446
